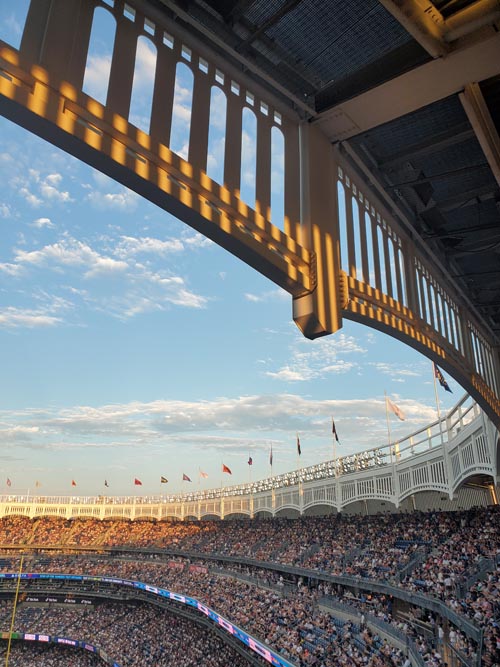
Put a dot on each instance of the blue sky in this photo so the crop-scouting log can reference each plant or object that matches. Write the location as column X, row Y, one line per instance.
column 131, row 346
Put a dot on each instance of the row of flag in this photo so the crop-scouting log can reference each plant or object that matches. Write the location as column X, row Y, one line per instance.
column 163, row 480
column 395, row 409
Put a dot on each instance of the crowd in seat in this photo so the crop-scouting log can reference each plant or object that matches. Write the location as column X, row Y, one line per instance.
column 441, row 551
column 377, row 547
column 132, row 635
column 23, row 654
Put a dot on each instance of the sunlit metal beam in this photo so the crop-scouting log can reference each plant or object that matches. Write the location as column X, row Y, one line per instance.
column 413, row 90
column 423, row 21
column 480, row 118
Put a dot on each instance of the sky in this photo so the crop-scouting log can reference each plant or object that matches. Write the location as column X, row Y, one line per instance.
column 133, row 347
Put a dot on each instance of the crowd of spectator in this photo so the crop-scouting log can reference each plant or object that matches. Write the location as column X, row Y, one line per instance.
column 131, row 635
column 433, row 553
column 28, row 653
column 376, row 547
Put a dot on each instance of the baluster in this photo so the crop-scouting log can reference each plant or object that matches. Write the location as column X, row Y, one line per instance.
column 200, row 118
column 122, row 65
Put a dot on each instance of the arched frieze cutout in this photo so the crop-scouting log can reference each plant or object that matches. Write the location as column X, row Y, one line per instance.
column 99, row 55
column 248, row 157
column 181, row 114
column 217, row 135
column 277, row 178
column 143, row 84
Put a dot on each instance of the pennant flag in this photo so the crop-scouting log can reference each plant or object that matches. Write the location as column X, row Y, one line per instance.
column 226, row 469
column 185, row 478
column 440, row 378
column 271, row 456
column 250, row 461
column 9, row 483
column 137, row 482
column 37, row 484
column 299, row 451
column 106, row 482
column 396, row 409
column 203, row 474
column 334, row 431
column 163, row 480
column 73, row 483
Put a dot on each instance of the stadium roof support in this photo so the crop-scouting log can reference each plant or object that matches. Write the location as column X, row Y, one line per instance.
column 412, row 90
column 480, row 118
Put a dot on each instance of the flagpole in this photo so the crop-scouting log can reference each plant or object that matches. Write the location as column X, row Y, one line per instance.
column 437, row 403
column 14, row 608
column 220, row 497
column 388, row 424
column 298, row 473
column 334, row 450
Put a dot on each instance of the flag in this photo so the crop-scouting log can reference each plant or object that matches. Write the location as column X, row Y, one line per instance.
column 9, row 483
column 106, row 482
column 203, row 474
column 271, row 457
column 185, row 478
column 396, row 409
column 334, row 431
column 299, row 451
column 137, row 482
column 226, row 469
column 440, row 378
column 250, row 461
column 73, row 483
column 163, row 480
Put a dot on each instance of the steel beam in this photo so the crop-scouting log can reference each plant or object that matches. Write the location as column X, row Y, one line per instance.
column 420, row 87
column 423, row 21
column 435, row 33
column 479, row 116
column 437, row 142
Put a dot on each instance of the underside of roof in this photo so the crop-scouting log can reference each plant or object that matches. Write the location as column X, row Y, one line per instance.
column 429, row 72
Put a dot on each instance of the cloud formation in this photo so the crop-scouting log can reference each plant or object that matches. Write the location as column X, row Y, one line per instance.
column 313, row 360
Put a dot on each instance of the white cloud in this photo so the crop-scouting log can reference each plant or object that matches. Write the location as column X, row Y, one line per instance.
column 12, row 269
column 51, row 192
column 13, row 318
column 30, row 198
column 53, row 179
column 5, row 211
column 36, row 189
column 270, row 295
column 124, row 200
column 103, row 265
column 42, row 222
column 197, row 241
column 397, row 372
column 139, row 289
column 97, row 76
column 226, row 424
column 130, row 246
column 70, row 252
column 312, row 360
